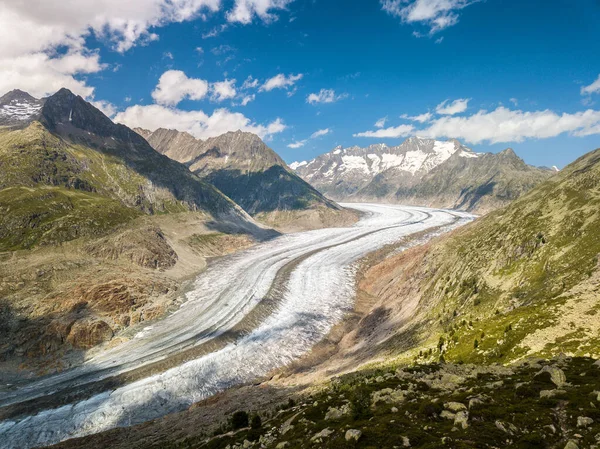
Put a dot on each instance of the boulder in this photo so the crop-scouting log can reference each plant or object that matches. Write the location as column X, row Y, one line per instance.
column 337, row 413
column 447, row 414
column 462, row 419
column 317, row 437
column 571, row 445
column 353, row 434
column 455, row 406
column 584, row 421
column 557, row 376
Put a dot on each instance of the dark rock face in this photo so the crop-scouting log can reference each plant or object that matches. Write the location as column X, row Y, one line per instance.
column 240, row 165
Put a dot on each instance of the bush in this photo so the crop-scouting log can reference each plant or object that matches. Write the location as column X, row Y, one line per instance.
column 239, row 420
column 255, row 422
column 361, row 404
column 431, row 409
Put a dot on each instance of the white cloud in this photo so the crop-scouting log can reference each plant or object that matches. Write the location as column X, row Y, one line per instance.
column 514, row 101
column 381, row 122
column 197, row 123
column 392, row 132
column 250, row 83
column 173, row 86
column 31, row 32
column 223, row 90
column 247, row 99
column 106, row 107
column 455, row 107
column 421, row 118
column 434, row 14
column 215, row 31
column 505, row 125
column 41, row 75
column 593, row 88
column 280, row 81
column 319, row 133
column 200, row 50
column 324, row 96
column 297, row 144
column 245, row 10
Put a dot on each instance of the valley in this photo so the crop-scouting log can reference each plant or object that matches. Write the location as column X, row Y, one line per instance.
column 246, row 315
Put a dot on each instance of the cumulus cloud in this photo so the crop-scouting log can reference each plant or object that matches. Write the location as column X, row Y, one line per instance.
column 41, row 75
column 324, row 96
column 320, row 132
column 223, row 90
column 452, row 108
column 434, row 14
column 297, row 144
column 244, row 10
column 505, row 125
column 197, row 123
column 593, row 88
column 32, row 31
column 381, row 122
column 391, row 132
column 421, row 118
column 280, row 81
column 106, row 107
column 174, row 86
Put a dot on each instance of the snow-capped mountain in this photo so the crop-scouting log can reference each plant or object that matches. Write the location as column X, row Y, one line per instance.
column 423, row 172
column 17, row 107
column 345, row 171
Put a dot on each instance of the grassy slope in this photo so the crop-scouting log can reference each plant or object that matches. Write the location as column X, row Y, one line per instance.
column 521, row 281
column 51, row 191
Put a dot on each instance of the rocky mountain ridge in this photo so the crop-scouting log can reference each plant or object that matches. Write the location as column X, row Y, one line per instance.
column 243, row 167
column 422, row 172
column 97, row 230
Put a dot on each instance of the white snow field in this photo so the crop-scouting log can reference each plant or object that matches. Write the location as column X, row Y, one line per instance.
column 306, row 300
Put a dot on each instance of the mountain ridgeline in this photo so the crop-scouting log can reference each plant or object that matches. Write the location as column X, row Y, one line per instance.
column 66, row 169
column 422, row 172
column 241, row 166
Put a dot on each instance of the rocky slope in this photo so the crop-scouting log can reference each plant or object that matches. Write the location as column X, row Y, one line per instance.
column 520, row 282
column 87, row 216
column 422, row 172
column 245, row 169
column 487, row 337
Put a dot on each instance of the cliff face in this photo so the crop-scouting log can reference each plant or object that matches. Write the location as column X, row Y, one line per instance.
column 240, row 165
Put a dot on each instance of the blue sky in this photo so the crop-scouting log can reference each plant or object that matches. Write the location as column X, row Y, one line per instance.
column 519, row 73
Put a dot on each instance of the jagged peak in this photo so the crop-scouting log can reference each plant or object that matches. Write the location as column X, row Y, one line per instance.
column 17, row 94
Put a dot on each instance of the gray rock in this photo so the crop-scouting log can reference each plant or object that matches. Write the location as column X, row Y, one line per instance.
column 337, row 413
column 571, row 445
column 322, row 434
column 455, row 406
column 462, row 419
column 584, row 421
column 447, row 414
column 353, row 434
column 282, row 445
column 550, row 393
column 557, row 376
column 405, row 442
